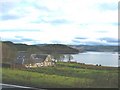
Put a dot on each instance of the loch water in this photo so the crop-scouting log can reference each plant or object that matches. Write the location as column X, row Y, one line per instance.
column 100, row 58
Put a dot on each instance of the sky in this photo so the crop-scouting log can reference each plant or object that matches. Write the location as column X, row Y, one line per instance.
column 76, row 22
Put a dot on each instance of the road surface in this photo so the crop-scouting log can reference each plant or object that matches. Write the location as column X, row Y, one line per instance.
column 4, row 86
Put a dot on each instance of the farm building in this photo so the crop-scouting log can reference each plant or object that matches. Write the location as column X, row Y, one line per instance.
column 33, row 60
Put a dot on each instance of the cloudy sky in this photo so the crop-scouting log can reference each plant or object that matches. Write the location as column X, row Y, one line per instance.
column 77, row 22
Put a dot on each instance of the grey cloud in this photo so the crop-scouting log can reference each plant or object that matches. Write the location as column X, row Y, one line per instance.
column 95, row 43
column 76, row 41
column 6, row 6
column 35, row 5
column 81, row 38
column 9, row 17
column 27, row 39
column 87, row 42
column 55, row 22
column 43, row 8
column 55, row 41
column 21, row 40
column 59, row 21
column 18, row 36
column 27, row 30
column 110, row 40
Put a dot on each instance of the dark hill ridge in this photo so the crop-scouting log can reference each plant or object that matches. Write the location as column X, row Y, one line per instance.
column 19, row 47
column 59, row 49
column 47, row 48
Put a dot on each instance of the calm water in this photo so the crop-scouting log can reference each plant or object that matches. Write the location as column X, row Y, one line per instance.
column 103, row 58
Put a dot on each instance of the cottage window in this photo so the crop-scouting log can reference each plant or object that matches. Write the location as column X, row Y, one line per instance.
column 30, row 65
column 41, row 64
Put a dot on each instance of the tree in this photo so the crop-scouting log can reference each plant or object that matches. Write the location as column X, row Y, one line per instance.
column 62, row 57
column 69, row 56
column 56, row 56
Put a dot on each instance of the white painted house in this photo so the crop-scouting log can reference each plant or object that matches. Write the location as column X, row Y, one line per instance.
column 34, row 60
column 40, row 60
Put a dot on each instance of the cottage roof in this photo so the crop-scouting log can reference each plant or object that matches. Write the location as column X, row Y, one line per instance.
column 21, row 57
column 24, row 58
column 37, row 58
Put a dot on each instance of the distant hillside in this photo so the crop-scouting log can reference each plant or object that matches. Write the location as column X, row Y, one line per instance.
column 8, row 51
column 46, row 48
column 19, row 47
column 98, row 48
column 58, row 48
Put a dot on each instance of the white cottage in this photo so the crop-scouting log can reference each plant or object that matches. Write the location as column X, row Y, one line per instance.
column 33, row 60
column 40, row 60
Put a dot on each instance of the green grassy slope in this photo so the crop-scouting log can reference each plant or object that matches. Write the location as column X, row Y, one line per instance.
column 63, row 76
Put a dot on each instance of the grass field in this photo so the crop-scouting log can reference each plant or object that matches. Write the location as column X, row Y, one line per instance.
column 63, row 75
